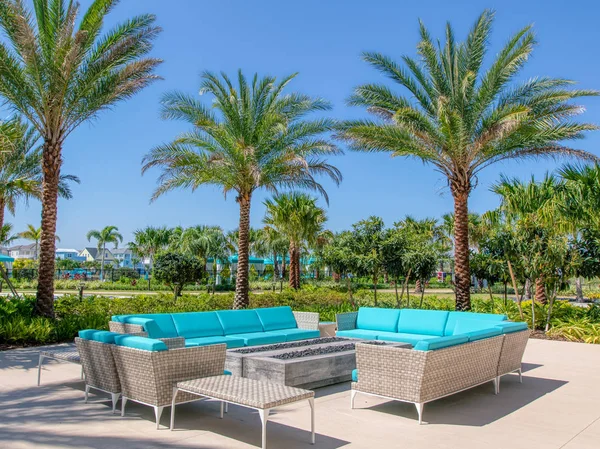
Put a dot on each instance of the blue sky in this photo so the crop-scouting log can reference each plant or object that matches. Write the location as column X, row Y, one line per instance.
column 322, row 40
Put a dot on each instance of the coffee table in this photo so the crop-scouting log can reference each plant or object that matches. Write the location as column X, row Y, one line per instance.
column 67, row 354
column 250, row 393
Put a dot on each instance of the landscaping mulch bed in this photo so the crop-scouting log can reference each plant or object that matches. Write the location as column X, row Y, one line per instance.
column 541, row 335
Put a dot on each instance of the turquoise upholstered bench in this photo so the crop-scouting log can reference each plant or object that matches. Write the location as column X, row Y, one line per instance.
column 234, row 328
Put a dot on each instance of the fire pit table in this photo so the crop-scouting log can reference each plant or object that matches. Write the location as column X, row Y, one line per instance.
column 305, row 364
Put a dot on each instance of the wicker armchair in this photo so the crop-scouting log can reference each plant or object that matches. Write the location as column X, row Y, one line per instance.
column 148, row 377
column 419, row 377
column 511, row 356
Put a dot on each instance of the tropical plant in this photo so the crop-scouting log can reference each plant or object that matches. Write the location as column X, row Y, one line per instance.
column 6, row 235
column 257, row 138
column 300, row 220
column 367, row 240
column 461, row 119
column 147, row 242
column 59, row 71
column 177, row 270
column 108, row 234
column 34, row 234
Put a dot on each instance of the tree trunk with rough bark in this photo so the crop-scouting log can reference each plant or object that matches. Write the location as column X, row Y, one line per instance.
column 102, row 264
column 578, row 288
column 298, row 268
column 540, row 291
column 51, row 163
column 292, row 267
column 418, row 286
column 2, row 206
column 242, row 286
column 461, row 248
column 528, row 290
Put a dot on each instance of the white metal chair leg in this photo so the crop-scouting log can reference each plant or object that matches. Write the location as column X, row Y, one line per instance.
column 175, row 391
column 40, row 361
column 311, row 401
column 86, row 394
column 115, row 398
column 227, row 407
column 520, row 375
column 352, row 396
column 82, row 371
column 264, row 416
column 157, row 413
column 419, row 407
column 222, row 408
column 123, row 402
column 497, row 385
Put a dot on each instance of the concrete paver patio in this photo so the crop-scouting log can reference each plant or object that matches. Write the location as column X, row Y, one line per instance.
column 557, row 406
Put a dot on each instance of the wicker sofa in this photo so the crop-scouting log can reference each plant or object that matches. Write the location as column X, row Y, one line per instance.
column 235, row 328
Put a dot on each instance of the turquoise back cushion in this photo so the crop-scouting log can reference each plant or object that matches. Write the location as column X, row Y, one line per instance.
column 508, row 326
column 197, row 324
column 426, row 322
column 376, row 319
column 96, row 335
column 441, row 342
column 476, row 329
column 146, row 344
column 276, row 318
column 454, row 316
column 163, row 327
column 239, row 321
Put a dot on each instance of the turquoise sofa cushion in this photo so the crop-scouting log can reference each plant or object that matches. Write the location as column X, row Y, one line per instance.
column 508, row 327
column 260, row 338
column 376, row 319
column 227, row 373
column 455, row 316
column 355, row 375
column 163, row 326
column 146, row 344
column 96, row 335
column 425, row 322
column 401, row 337
column 231, row 342
column 358, row 333
column 441, row 342
column 297, row 334
column 239, row 321
column 275, row 318
column 476, row 329
column 197, row 324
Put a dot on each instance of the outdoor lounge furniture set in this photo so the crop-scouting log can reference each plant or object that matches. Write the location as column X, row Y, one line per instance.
column 452, row 352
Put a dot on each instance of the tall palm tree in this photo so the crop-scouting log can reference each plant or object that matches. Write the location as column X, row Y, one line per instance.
column 6, row 235
column 34, row 234
column 147, row 242
column 109, row 234
column 21, row 166
column 60, row 70
column 253, row 136
column 461, row 119
column 297, row 216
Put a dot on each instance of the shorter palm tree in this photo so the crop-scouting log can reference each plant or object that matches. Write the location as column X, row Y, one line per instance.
column 34, row 234
column 149, row 241
column 6, row 235
column 109, row 234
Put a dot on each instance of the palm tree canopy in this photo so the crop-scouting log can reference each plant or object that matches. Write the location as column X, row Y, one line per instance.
column 150, row 240
column 109, row 234
column 252, row 136
column 58, row 71
column 6, row 235
column 34, row 234
column 461, row 118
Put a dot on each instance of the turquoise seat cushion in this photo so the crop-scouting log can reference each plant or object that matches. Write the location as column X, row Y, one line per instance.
column 376, row 319
column 401, row 337
column 197, row 324
column 227, row 373
column 455, row 316
column 231, row 342
column 161, row 327
column 358, row 333
column 476, row 329
column 275, row 318
column 441, row 342
column 355, row 375
column 96, row 335
column 146, row 344
column 297, row 334
column 239, row 321
column 424, row 322
column 260, row 338
column 509, row 326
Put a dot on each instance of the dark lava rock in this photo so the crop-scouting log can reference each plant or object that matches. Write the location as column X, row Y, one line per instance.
column 321, row 351
column 295, row 344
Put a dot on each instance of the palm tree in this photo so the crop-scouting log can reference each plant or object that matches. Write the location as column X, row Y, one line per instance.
column 275, row 244
column 6, row 235
column 461, row 119
column 59, row 72
column 109, row 234
column 297, row 216
column 21, row 167
column 34, row 234
column 149, row 241
column 258, row 138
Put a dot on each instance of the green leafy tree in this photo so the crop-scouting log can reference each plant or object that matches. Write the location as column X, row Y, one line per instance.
column 108, row 234
column 253, row 136
column 67, row 264
column 178, row 270
column 461, row 118
column 340, row 258
column 60, row 70
column 393, row 253
column 368, row 236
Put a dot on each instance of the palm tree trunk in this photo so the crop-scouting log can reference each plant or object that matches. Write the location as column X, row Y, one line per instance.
column 242, row 286
column 528, row 290
column 283, row 266
column 275, row 267
column 102, row 264
column 298, row 267
column 461, row 248
column 293, row 266
column 578, row 286
column 2, row 206
column 514, row 282
column 540, row 290
column 418, row 286
column 51, row 162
